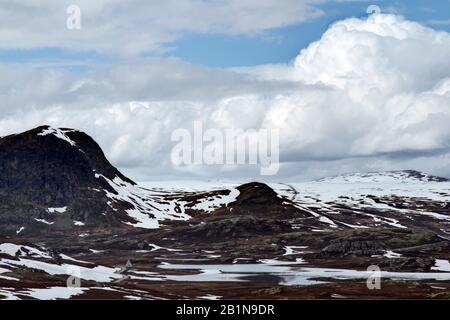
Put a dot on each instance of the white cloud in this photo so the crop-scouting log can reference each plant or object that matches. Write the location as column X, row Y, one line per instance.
column 370, row 94
column 137, row 26
column 379, row 91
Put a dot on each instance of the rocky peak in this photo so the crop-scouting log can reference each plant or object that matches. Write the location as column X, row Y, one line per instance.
column 259, row 200
column 257, row 193
column 48, row 167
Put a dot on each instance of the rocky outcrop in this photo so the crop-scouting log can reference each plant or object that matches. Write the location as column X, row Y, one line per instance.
column 408, row 264
column 238, row 228
column 257, row 194
column 345, row 247
column 259, row 200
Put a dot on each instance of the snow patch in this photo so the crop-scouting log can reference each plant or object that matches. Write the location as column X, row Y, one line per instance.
column 43, row 221
column 59, row 133
column 392, row 255
column 57, row 210
column 290, row 250
column 209, row 297
column 54, row 293
column 147, row 210
column 441, row 265
column 11, row 249
column 98, row 273
column 211, row 203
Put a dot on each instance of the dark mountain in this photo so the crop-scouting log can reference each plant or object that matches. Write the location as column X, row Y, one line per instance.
column 259, row 200
column 44, row 170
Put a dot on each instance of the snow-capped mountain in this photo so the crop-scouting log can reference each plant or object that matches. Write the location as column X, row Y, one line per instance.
column 405, row 176
column 59, row 179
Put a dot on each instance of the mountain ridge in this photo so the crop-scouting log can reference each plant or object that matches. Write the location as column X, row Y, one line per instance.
column 385, row 176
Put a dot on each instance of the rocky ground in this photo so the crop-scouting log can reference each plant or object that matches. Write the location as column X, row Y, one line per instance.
column 105, row 274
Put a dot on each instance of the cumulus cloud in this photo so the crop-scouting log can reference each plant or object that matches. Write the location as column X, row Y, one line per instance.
column 371, row 94
column 379, row 86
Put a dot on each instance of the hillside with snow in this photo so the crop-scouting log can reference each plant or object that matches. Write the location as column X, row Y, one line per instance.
column 65, row 208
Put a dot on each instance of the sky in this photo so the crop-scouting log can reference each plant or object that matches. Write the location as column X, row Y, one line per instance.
column 348, row 91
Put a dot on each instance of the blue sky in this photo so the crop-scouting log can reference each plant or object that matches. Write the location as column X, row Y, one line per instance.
column 221, row 50
column 283, row 44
